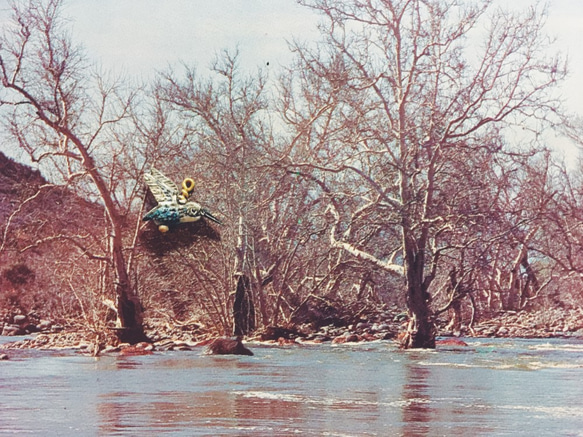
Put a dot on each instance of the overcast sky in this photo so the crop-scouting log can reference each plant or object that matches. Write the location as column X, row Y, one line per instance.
column 141, row 36
column 138, row 37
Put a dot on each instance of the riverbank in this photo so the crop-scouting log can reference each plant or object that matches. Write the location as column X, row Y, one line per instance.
column 372, row 325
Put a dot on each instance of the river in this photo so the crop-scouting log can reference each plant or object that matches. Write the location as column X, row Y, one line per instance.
column 494, row 387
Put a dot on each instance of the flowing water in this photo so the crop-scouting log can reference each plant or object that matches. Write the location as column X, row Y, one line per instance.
column 492, row 388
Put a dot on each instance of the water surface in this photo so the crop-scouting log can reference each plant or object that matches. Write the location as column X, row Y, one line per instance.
column 491, row 388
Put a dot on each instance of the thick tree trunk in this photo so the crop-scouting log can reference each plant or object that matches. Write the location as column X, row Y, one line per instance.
column 243, row 308
column 129, row 308
column 129, row 313
column 421, row 328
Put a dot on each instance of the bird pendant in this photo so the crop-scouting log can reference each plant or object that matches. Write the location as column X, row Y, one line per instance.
column 173, row 208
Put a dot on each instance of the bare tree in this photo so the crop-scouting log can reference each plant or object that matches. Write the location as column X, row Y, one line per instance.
column 272, row 245
column 382, row 108
column 67, row 123
column 561, row 232
column 491, row 263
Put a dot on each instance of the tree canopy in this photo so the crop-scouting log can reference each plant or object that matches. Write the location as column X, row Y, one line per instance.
column 377, row 166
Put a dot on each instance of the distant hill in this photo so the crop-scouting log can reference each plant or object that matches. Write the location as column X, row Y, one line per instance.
column 17, row 182
column 36, row 212
column 40, row 223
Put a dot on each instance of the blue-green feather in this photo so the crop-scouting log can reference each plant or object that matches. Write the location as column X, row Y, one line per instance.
column 164, row 215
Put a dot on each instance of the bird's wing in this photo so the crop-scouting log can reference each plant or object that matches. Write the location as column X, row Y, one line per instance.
column 161, row 187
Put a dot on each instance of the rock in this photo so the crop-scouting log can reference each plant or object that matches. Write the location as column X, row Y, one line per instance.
column 3, row 357
column 57, row 328
column 277, row 332
column 228, row 346
column 382, row 327
column 30, row 328
column 20, row 319
column 451, row 342
column 489, row 332
column 110, row 349
column 44, row 325
column 317, row 338
column 146, row 346
column 346, row 338
column 142, row 348
column 369, row 337
column 502, row 331
column 13, row 330
column 352, row 338
column 181, row 346
column 165, row 345
column 204, row 342
column 285, row 341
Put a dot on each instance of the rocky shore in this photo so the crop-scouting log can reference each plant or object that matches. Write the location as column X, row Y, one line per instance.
column 556, row 322
column 373, row 325
column 20, row 324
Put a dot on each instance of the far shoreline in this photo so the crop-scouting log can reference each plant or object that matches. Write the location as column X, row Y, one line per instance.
column 511, row 325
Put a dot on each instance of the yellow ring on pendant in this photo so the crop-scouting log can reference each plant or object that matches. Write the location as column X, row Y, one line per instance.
column 188, row 185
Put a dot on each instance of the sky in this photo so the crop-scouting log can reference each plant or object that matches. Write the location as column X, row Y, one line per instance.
column 140, row 37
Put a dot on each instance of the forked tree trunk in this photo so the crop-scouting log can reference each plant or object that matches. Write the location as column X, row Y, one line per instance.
column 421, row 328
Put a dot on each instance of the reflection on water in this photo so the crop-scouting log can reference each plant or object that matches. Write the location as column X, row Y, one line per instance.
column 495, row 387
column 416, row 406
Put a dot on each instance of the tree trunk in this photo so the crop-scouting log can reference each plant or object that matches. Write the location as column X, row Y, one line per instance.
column 130, row 318
column 129, row 309
column 455, row 323
column 243, row 308
column 531, row 284
column 421, row 329
column 457, row 292
column 129, row 313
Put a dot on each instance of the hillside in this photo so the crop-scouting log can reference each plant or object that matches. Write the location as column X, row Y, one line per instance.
column 17, row 182
column 38, row 260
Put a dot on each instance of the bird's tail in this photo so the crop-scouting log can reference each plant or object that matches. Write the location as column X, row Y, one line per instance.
column 208, row 215
column 150, row 214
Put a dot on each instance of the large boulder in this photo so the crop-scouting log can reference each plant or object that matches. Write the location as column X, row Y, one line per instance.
column 228, row 346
